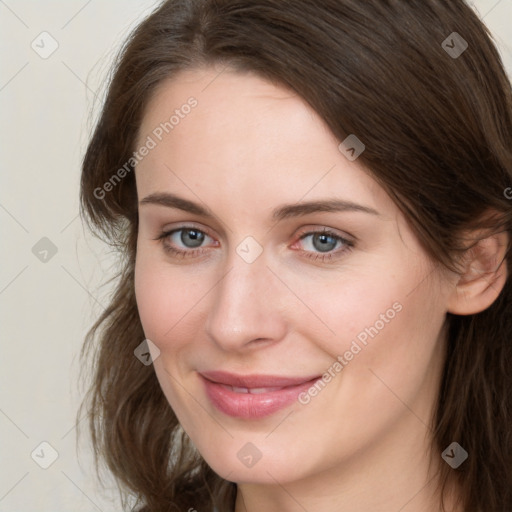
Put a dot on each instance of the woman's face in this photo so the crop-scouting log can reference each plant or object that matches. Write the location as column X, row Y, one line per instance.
column 245, row 292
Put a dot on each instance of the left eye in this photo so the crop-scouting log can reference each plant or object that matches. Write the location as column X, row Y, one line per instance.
column 322, row 242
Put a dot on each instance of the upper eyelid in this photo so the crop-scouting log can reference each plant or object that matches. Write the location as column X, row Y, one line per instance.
column 169, row 232
column 324, row 229
column 173, row 230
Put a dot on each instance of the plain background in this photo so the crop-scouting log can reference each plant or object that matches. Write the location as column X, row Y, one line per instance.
column 49, row 299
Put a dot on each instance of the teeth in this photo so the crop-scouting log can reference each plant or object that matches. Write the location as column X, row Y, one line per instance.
column 239, row 390
column 252, row 391
column 257, row 391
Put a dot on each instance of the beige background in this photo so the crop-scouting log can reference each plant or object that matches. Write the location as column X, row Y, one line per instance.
column 46, row 307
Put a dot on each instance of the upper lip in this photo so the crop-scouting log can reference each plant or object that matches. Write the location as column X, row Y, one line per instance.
column 255, row 381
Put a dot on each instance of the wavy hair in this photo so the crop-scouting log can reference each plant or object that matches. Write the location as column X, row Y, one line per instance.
column 438, row 134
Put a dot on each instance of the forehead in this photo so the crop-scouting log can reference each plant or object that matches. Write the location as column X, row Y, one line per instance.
column 223, row 96
column 243, row 135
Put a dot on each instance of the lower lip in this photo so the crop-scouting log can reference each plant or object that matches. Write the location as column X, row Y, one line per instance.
column 253, row 406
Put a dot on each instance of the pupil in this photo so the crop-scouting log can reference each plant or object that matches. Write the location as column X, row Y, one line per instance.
column 192, row 238
column 324, row 238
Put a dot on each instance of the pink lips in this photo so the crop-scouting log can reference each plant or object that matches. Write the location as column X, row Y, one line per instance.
column 253, row 396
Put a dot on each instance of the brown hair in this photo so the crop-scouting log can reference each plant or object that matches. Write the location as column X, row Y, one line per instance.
column 437, row 130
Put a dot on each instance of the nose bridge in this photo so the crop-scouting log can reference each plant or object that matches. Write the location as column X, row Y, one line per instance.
column 245, row 302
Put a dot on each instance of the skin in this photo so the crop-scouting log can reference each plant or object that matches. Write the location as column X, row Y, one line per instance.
column 363, row 442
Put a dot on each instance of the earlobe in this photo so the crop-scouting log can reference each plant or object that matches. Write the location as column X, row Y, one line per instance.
column 483, row 276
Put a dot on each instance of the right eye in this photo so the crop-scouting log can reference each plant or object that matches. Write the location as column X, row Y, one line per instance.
column 185, row 241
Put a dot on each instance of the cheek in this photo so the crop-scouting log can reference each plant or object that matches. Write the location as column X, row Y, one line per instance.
column 348, row 309
column 383, row 322
column 393, row 353
column 162, row 298
column 164, row 302
column 172, row 302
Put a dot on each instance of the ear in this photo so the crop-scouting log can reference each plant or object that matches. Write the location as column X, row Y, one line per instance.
column 483, row 276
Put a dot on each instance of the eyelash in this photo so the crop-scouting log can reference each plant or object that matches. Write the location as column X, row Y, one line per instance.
column 323, row 257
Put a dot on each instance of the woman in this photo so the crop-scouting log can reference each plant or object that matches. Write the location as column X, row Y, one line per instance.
column 310, row 203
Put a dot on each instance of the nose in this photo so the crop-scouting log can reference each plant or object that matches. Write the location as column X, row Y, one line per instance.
column 248, row 308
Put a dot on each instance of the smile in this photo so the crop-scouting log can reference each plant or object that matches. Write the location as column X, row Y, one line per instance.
column 253, row 396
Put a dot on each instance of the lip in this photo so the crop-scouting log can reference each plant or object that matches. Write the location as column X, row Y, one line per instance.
column 266, row 394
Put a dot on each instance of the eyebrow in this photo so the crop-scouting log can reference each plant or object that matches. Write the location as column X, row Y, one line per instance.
column 280, row 213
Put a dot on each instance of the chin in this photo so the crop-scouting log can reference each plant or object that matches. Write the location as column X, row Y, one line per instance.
column 268, row 469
